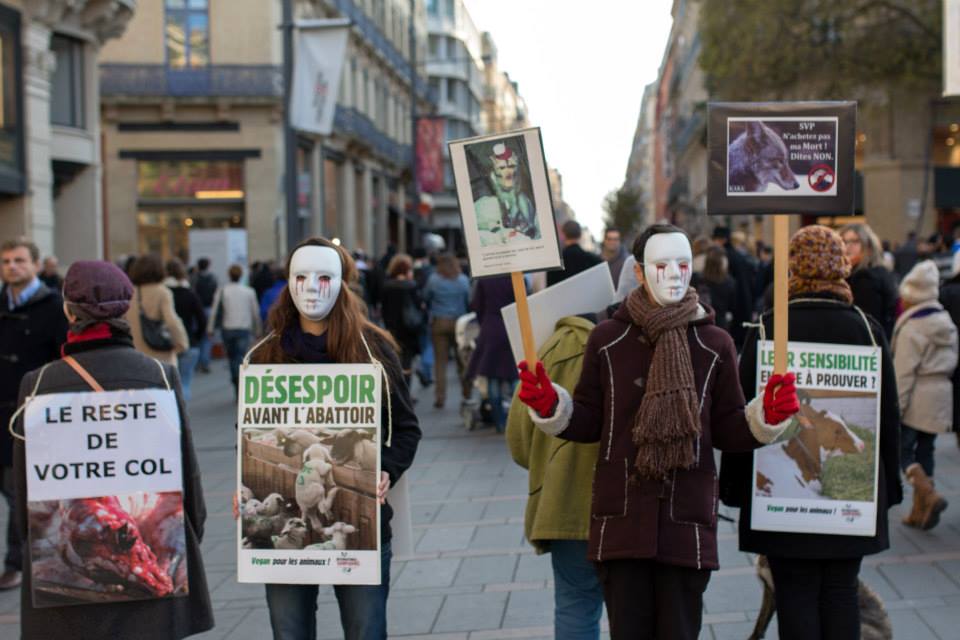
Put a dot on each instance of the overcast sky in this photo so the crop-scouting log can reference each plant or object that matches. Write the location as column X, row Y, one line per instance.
column 581, row 66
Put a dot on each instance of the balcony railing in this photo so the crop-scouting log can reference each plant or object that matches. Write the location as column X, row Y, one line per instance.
column 226, row 80
column 350, row 122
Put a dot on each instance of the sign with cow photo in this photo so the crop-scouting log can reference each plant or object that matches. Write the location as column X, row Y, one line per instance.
column 104, row 497
column 781, row 157
column 822, row 476
column 308, row 464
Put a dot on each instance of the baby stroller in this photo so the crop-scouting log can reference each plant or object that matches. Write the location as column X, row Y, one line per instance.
column 475, row 410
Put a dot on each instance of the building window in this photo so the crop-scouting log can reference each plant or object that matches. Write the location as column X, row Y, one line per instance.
column 66, row 82
column 187, row 34
column 11, row 123
column 433, row 7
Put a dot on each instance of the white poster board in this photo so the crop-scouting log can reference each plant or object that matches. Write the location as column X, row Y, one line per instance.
column 308, row 464
column 105, row 497
column 951, row 48
column 824, row 478
column 587, row 292
column 223, row 247
column 505, row 203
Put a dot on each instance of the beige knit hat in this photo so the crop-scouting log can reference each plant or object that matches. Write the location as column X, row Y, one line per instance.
column 922, row 284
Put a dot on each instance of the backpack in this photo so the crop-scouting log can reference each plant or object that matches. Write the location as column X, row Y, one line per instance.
column 205, row 288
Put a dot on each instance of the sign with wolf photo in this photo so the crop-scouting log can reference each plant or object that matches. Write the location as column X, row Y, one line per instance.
column 822, row 477
column 104, row 497
column 781, row 157
column 309, row 465
column 505, row 203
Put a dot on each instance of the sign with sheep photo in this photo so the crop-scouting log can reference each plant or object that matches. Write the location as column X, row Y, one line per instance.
column 821, row 477
column 308, row 464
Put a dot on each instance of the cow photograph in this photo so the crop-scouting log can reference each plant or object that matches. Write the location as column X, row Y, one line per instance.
column 831, row 455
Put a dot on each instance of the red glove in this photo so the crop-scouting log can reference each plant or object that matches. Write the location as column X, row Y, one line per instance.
column 780, row 398
column 536, row 391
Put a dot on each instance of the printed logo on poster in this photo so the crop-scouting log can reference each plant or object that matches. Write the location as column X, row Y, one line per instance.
column 822, row 476
column 105, row 502
column 309, row 466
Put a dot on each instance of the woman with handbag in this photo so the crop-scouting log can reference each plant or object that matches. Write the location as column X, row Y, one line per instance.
column 318, row 319
column 402, row 310
column 154, row 324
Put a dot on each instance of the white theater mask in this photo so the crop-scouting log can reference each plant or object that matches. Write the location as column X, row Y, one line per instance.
column 667, row 267
column 316, row 276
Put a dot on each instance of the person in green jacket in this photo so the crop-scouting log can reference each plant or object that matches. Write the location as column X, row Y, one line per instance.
column 557, row 519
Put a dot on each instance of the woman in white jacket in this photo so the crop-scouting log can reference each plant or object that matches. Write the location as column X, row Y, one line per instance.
column 925, row 357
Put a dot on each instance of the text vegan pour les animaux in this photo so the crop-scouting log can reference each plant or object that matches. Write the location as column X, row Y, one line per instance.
column 310, row 389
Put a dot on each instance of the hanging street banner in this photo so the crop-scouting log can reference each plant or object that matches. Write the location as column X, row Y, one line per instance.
column 505, row 203
column 823, row 479
column 951, row 48
column 317, row 67
column 781, row 157
column 309, row 463
column 105, row 497
column 430, row 161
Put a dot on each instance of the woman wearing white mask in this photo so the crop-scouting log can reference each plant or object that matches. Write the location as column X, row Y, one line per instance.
column 318, row 319
column 659, row 390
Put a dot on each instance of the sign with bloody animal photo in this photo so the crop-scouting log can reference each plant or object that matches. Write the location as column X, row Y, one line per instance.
column 104, row 497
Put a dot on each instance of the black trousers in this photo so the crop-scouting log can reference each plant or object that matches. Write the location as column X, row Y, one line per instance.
column 816, row 599
column 649, row 600
column 14, row 556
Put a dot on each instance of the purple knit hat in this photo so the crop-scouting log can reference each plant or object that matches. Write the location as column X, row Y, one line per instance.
column 98, row 289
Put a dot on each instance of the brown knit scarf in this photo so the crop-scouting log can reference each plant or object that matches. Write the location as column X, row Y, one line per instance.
column 667, row 423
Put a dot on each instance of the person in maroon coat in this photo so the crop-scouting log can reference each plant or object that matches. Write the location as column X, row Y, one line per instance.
column 659, row 390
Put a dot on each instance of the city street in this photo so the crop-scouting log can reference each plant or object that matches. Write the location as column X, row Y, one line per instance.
column 473, row 577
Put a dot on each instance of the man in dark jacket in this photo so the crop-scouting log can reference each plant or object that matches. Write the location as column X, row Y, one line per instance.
column 659, row 390
column 32, row 328
column 204, row 285
column 575, row 259
column 740, row 270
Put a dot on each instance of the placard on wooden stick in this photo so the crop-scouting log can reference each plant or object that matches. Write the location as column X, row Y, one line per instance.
column 776, row 158
column 506, row 211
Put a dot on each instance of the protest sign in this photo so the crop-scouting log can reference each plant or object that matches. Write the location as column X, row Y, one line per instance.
column 104, row 497
column 505, row 203
column 823, row 479
column 587, row 292
column 309, row 464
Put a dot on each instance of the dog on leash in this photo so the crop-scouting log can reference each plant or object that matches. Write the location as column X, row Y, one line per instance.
column 757, row 158
column 874, row 621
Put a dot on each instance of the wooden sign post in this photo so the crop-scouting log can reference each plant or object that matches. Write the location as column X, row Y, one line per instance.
column 781, row 255
column 523, row 315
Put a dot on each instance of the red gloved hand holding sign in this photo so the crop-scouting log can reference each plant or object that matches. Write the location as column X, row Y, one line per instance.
column 536, row 390
column 780, row 398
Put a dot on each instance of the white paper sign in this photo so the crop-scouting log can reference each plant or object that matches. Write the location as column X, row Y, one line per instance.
column 951, row 48
column 308, row 463
column 587, row 292
column 108, row 443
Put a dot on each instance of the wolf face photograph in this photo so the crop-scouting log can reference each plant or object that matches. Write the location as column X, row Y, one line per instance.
column 107, row 549
column 309, row 489
column 832, row 455
column 758, row 159
column 502, row 191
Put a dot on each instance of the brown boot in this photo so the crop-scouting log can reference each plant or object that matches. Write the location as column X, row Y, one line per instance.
column 931, row 504
column 913, row 519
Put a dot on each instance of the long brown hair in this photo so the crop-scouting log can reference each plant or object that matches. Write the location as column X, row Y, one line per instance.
column 346, row 323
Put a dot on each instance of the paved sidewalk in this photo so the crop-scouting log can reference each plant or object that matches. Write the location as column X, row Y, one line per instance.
column 473, row 577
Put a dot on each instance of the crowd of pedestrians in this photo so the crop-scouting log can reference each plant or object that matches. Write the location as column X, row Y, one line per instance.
column 610, row 541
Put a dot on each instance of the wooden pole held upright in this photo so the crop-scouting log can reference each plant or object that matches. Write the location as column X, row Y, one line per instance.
column 523, row 315
column 781, row 256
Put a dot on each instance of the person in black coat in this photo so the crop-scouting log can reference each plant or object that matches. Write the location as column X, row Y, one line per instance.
column 815, row 575
column 32, row 329
column 950, row 299
column 575, row 259
column 716, row 288
column 872, row 284
column 745, row 277
column 189, row 308
column 402, row 310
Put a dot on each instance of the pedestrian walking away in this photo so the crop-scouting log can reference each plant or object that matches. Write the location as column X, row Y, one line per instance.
column 925, row 359
column 816, row 575
column 659, row 390
column 205, row 286
column 236, row 314
column 447, row 296
column 190, row 311
column 100, row 344
column 321, row 321
column 32, row 329
column 154, row 324
column 402, row 310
